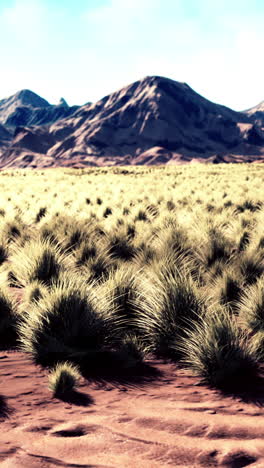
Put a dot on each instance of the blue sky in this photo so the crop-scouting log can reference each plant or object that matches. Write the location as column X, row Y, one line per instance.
column 85, row 49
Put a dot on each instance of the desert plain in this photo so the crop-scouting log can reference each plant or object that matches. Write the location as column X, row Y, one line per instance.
column 150, row 282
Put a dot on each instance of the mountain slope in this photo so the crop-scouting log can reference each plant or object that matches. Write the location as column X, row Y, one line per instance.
column 153, row 112
column 257, row 113
column 26, row 108
column 152, row 121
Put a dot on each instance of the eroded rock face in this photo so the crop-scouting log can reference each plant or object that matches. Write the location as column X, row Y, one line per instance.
column 153, row 112
column 152, row 121
column 26, row 108
column 5, row 135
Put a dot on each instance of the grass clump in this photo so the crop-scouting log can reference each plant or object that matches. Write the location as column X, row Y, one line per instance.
column 86, row 251
column 120, row 248
column 38, row 260
column 3, row 254
column 216, row 249
column 63, row 379
column 173, row 301
column 40, row 214
column 251, row 266
column 257, row 346
column 33, row 292
column 125, row 298
column 251, row 306
column 226, row 290
column 217, row 351
column 131, row 351
column 8, row 318
column 66, row 321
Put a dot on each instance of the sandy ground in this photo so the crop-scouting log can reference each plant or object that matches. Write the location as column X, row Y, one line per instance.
column 161, row 418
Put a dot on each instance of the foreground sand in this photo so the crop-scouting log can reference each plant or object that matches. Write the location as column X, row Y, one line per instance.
column 162, row 420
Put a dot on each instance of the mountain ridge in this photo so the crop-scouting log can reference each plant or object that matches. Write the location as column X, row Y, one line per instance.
column 151, row 121
column 27, row 108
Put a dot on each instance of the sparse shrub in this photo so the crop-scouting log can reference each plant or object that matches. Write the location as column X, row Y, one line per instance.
column 120, row 247
column 124, row 295
column 217, row 248
column 130, row 352
column 38, row 261
column 65, row 321
column 216, row 270
column 12, row 230
column 257, row 346
column 47, row 234
column 251, row 266
column 33, row 292
column 41, row 213
column 130, row 231
column 261, row 243
column 227, row 290
column 249, row 205
column 86, row 251
column 244, row 241
column 63, row 379
column 75, row 238
column 3, row 254
column 173, row 302
column 217, row 351
column 97, row 268
column 126, row 211
column 173, row 242
column 153, row 210
column 170, row 205
column 141, row 216
column 12, row 280
column 8, row 318
column 145, row 254
column 251, row 306
column 210, row 207
column 107, row 212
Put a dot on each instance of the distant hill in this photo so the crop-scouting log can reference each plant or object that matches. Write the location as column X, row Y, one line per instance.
column 153, row 121
column 26, row 108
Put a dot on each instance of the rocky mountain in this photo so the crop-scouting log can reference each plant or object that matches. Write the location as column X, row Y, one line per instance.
column 26, row 108
column 257, row 113
column 153, row 121
column 5, row 135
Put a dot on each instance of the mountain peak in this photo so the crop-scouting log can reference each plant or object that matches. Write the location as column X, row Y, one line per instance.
column 256, row 113
column 62, row 102
column 26, row 108
column 162, row 81
column 259, row 107
column 29, row 98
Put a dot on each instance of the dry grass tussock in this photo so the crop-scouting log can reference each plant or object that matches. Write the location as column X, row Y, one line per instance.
column 164, row 261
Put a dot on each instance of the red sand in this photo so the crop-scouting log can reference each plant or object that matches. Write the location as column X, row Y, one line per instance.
column 169, row 422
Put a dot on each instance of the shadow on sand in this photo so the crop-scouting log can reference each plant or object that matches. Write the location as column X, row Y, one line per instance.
column 107, row 369
column 5, row 409
column 247, row 391
column 76, row 398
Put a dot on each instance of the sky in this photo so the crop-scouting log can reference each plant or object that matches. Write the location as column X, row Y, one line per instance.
column 83, row 50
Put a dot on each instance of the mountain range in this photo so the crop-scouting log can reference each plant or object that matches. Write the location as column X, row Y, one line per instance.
column 155, row 120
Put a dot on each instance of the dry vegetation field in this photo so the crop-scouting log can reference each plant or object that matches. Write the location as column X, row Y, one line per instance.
column 101, row 268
